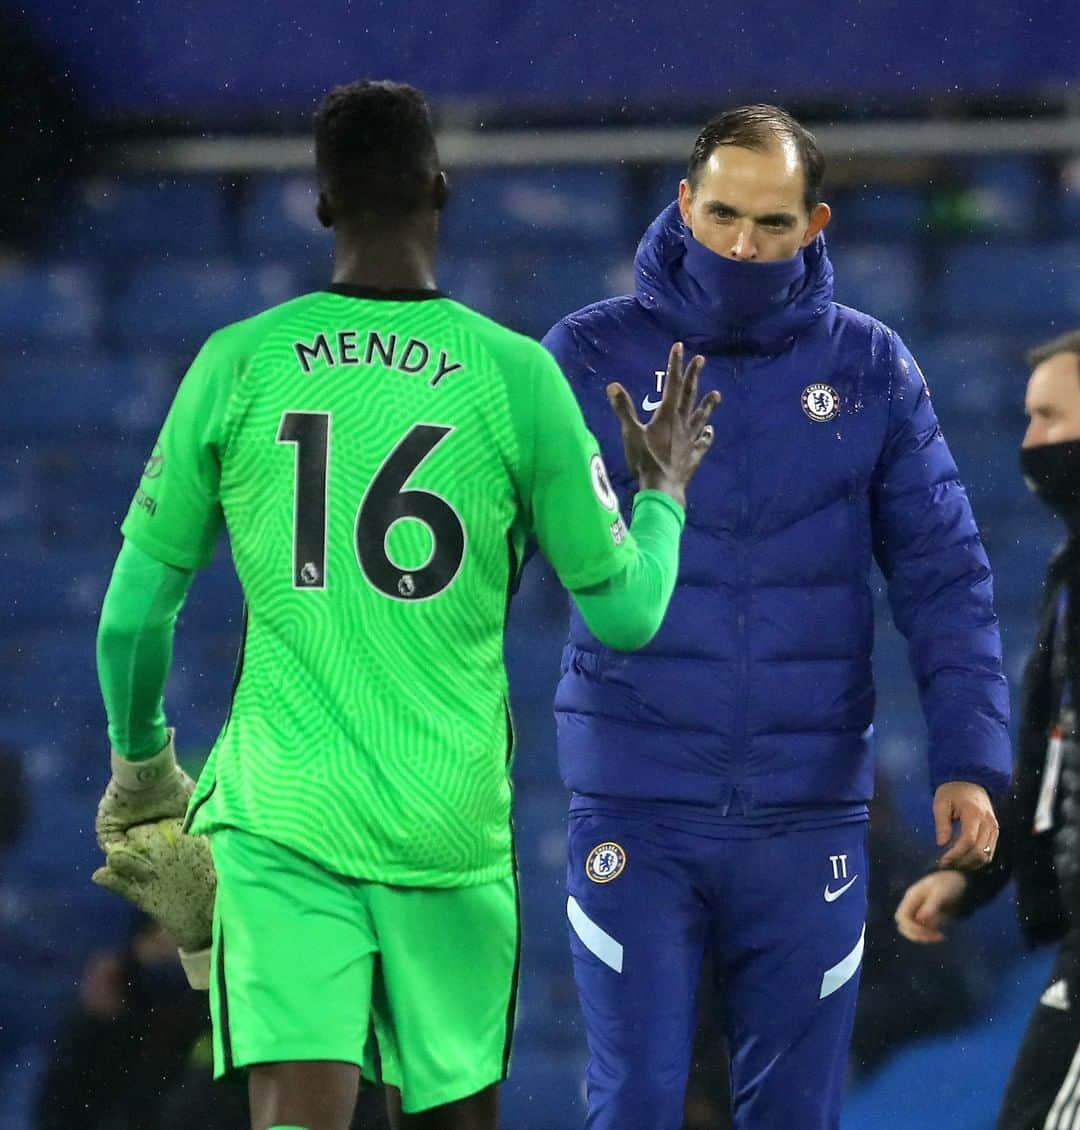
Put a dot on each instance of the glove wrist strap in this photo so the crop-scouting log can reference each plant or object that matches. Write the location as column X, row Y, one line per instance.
column 138, row 775
column 196, row 965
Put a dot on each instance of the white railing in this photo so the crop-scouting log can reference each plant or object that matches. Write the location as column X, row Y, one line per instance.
column 515, row 148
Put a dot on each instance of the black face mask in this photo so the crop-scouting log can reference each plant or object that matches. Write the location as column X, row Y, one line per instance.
column 1052, row 471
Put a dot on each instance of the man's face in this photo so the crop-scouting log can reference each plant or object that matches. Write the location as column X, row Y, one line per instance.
column 749, row 205
column 1052, row 403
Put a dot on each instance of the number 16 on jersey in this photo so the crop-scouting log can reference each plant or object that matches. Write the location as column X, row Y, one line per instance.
column 385, row 502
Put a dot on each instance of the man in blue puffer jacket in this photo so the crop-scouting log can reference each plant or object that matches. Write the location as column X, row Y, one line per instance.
column 720, row 776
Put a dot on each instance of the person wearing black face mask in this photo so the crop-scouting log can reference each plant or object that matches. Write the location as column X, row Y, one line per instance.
column 1040, row 822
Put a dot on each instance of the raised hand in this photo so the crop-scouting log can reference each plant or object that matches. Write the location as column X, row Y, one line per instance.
column 665, row 453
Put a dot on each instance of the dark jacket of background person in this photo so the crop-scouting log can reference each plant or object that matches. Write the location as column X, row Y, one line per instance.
column 1021, row 854
column 758, row 688
column 906, row 992
column 129, row 1036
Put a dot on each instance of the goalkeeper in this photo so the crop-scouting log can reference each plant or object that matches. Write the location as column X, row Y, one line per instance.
column 379, row 456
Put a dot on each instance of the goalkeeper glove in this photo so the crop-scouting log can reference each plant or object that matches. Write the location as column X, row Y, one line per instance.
column 140, row 792
column 169, row 875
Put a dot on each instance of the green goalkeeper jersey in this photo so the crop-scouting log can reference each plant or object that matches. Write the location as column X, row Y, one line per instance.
column 378, row 462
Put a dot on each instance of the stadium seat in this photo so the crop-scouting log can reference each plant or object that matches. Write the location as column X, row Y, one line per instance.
column 70, row 512
column 54, row 585
column 1008, row 193
column 540, row 824
column 541, row 289
column 473, row 280
column 548, row 1012
column 19, row 1083
column 1066, row 210
column 115, row 220
column 88, row 396
column 506, row 210
column 54, row 678
column 911, row 1091
column 545, row 1090
column 875, row 212
column 57, row 303
column 180, row 304
column 881, row 279
column 1029, row 285
column 660, row 190
column 278, row 220
column 19, row 503
column 972, row 377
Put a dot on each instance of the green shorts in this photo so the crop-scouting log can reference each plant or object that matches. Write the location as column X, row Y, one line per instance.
column 309, row 965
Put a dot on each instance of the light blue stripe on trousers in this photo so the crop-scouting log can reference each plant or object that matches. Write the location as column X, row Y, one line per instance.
column 596, row 941
column 843, row 971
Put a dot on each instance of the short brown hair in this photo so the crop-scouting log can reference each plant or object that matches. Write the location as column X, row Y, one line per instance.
column 757, row 127
column 1066, row 343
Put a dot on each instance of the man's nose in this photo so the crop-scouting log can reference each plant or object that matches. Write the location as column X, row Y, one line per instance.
column 743, row 246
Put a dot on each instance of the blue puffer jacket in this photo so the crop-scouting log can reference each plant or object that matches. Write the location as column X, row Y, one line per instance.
column 828, row 452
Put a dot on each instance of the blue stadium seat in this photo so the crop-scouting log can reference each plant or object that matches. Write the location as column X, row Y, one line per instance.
column 986, row 454
column 53, row 585
column 1007, row 192
column 972, row 377
column 661, row 191
column 541, row 289
column 1019, row 549
column 72, row 513
column 545, row 1090
column 540, row 822
column 178, row 303
column 882, row 279
column 473, row 280
column 112, row 219
column 548, row 1013
column 19, row 503
column 1067, row 197
column 511, row 209
column 911, row 1091
column 278, row 219
column 875, row 212
column 54, row 678
column 88, row 396
column 59, row 304
column 1024, row 285
column 19, row 1083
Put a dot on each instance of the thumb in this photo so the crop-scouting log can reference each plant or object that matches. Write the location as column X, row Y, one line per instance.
column 943, row 818
column 926, row 909
column 108, row 879
column 622, row 405
column 130, row 865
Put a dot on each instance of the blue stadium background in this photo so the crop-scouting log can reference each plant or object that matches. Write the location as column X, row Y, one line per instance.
column 971, row 265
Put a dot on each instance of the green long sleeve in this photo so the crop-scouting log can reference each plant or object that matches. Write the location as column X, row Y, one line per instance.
column 626, row 611
column 134, row 648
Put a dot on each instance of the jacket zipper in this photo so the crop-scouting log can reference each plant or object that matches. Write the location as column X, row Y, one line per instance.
column 742, row 592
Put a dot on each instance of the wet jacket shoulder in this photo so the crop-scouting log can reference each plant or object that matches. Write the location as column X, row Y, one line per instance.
column 828, row 455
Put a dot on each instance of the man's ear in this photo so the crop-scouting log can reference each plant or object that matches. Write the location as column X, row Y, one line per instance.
column 440, row 191
column 323, row 212
column 686, row 196
column 819, row 219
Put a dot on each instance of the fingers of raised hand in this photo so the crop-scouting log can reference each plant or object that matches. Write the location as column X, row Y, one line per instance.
column 622, row 405
column 688, row 392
